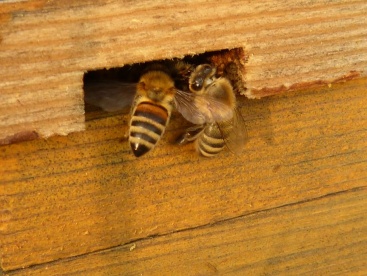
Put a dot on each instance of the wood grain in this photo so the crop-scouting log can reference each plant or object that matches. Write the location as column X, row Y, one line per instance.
column 68, row 196
column 320, row 237
column 46, row 46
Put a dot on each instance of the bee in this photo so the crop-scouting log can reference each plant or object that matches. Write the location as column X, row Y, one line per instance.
column 151, row 110
column 220, row 127
column 156, row 94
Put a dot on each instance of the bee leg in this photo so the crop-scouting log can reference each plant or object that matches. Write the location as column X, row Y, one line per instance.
column 190, row 135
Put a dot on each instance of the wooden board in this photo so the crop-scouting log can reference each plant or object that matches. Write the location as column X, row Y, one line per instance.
column 323, row 236
column 46, row 46
column 75, row 195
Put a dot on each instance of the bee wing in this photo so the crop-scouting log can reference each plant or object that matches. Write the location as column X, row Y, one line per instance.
column 109, row 95
column 235, row 136
column 200, row 109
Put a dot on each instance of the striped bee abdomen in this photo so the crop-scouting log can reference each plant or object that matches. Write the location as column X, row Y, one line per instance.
column 212, row 139
column 147, row 126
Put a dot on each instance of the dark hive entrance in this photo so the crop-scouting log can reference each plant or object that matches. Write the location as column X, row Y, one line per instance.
column 102, row 83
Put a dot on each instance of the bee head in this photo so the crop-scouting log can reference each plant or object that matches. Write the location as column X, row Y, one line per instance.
column 202, row 76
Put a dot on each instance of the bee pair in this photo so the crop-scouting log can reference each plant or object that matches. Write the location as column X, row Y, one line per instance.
column 204, row 99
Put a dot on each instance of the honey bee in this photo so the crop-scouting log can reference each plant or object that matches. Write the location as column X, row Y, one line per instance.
column 156, row 94
column 221, row 127
column 151, row 110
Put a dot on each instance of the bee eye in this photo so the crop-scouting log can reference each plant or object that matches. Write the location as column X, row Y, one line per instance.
column 207, row 70
column 197, row 85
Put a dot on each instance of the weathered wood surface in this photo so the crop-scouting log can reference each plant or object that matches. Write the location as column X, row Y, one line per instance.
column 70, row 196
column 324, row 236
column 46, row 46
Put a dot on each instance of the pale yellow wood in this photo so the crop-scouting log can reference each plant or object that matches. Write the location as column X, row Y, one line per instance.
column 325, row 236
column 74, row 195
column 46, row 46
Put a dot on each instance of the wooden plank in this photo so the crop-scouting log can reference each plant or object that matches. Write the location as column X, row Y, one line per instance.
column 320, row 237
column 46, row 46
column 73, row 195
